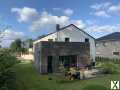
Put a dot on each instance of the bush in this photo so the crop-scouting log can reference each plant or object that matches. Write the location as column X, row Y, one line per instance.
column 103, row 59
column 109, row 67
column 7, row 74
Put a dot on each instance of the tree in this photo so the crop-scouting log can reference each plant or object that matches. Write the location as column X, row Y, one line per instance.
column 16, row 46
column 2, row 29
column 28, row 43
column 7, row 72
column 21, row 47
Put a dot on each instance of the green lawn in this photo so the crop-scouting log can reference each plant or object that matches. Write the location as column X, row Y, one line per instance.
column 30, row 80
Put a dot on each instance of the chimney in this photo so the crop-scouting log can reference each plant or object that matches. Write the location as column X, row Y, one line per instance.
column 57, row 27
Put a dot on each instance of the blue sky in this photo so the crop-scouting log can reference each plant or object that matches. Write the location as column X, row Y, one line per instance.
column 32, row 18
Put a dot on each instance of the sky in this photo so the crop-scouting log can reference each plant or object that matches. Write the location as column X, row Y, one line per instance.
column 32, row 18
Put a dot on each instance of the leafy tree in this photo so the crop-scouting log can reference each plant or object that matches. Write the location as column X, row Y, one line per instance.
column 24, row 50
column 2, row 29
column 7, row 74
column 28, row 43
column 16, row 46
column 19, row 46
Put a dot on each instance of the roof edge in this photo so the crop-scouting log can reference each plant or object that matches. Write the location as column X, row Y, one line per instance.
column 64, row 28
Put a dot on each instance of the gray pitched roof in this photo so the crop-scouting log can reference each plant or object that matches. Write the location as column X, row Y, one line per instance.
column 63, row 29
column 112, row 36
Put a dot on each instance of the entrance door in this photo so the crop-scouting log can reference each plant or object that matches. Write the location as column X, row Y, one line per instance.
column 49, row 67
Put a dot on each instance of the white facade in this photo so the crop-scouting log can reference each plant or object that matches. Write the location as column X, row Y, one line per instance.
column 74, row 34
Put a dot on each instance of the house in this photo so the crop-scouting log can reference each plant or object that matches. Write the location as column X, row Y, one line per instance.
column 67, row 46
column 108, row 46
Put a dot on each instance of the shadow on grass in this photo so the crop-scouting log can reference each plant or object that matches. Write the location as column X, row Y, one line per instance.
column 95, row 87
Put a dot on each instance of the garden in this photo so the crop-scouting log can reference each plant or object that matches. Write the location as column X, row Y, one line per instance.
column 31, row 80
column 15, row 75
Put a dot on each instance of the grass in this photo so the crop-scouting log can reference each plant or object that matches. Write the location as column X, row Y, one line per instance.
column 29, row 79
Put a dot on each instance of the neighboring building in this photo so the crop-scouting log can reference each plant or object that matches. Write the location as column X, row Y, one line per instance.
column 69, row 46
column 108, row 46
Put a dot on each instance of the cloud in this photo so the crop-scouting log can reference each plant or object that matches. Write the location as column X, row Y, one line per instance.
column 48, row 21
column 25, row 14
column 101, row 10
column 78, row 23
column 100, row 6
column 9, row 36
column 101, row 14
column 106, row 9
column 68, row 12
column 104, row 28
column 115, row 9
column 96, row 6
column 44, row 20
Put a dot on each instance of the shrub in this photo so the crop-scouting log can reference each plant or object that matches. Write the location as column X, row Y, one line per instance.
column 109, row 67
column 7, row 74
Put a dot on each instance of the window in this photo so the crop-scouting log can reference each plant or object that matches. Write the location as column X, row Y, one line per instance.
column 97, row 53
column 67, row 39
column 105, row 44
column 116, row 53
column 50, row 40
column 86, row 40
column 97, row 45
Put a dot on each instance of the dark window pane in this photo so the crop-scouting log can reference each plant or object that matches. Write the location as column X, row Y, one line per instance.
column 86, row 40
column 67, row 39
column 116, row 53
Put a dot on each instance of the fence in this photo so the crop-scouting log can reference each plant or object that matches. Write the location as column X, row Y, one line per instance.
column 103, row 59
